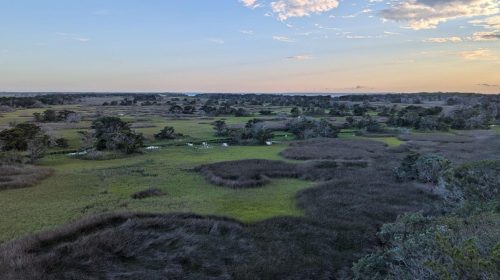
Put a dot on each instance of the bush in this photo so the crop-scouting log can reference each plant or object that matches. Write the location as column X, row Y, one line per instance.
column 427, row 168
column 419, row 247
column 167, row 132
column 148, row 193
column 61, row 143
column 478, row 181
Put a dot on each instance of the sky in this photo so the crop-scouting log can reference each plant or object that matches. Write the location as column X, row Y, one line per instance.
column 250, row 45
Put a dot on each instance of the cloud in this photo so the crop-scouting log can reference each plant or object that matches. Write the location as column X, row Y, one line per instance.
column 488, row 85
column 247, row 32
column 427, row 14
column 72, row 36
column 299, row 57
column 488, row 23
column 283, row 39
column 216, row 41
column 284, row 9
column 485, row 36
column 250, row 3
column 479, row 54
column 444, row 40
column 83, row 40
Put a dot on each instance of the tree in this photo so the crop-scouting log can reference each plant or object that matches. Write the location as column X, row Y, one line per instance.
column 167, row 132
column 112, row 133
column 305, row 128
column 36, row 147
column 260, row 133
column 61, row 143
column 220, row 128
column 295, row 112
column 16, row 138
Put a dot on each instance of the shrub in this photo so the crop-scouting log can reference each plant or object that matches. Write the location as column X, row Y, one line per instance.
column 61, row 143
column 167, row 132
column 148, row 193
column 478, row 181
column 427, row 168
column 419, row 247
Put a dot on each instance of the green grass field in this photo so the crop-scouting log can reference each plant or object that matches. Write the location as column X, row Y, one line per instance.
column 81, row 187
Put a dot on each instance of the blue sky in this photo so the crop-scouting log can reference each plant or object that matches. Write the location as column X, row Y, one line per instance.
column 250, row 46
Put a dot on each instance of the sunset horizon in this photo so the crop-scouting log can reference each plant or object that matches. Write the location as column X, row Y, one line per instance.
column 251, row 46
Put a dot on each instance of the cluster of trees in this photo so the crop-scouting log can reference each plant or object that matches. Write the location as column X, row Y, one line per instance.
column 224, row 109
column 39, row 101
column 305, row 128
column 366, row 123
column 57, row 116
column 25, row 137
column 419, row 118
column 254, row 132
column 476, row 117
column 112, row 134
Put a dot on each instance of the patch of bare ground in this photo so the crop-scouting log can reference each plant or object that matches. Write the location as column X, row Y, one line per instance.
column 15, row 176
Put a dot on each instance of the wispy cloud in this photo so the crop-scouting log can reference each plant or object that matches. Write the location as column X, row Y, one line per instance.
column 488, row 85
column 74, row 37
column 284, row 9
column 251, row 3
column 479, row 54
column 283, row 39
column 453, row 39
column 247, row 32
column 299, row 57
column 216, row 41
column 426, row 14
column 486, row 36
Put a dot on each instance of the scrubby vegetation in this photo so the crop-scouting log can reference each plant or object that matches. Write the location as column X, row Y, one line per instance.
column 15, row 176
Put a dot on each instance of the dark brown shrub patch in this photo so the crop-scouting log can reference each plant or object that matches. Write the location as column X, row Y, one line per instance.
column 148, row 193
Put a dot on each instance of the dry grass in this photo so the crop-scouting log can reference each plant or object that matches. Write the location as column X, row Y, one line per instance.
column 336, row 149
column 258, row 172
column 21, row 176
column 173, row 246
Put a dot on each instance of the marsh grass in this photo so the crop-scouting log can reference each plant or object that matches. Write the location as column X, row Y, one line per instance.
column 21, row 176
